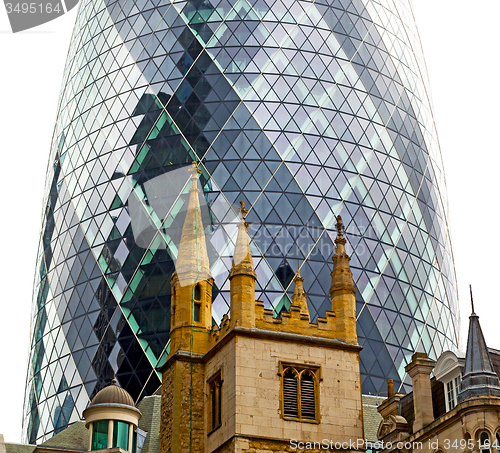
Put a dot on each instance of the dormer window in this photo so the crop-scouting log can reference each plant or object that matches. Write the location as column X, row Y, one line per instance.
column 452, row 391
column 448, row 370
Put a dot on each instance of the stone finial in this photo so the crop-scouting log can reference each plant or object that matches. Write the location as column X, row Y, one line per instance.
column 242, row 258
column 339, row 226
column 341, row 276
column 244, row 212
column 195, row 171
column 192, row 260
column 299, row 297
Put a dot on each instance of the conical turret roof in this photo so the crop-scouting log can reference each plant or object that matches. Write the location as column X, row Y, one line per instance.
column 479, row 378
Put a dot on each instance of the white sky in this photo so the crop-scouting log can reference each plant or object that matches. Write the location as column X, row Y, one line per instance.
column 461, row 47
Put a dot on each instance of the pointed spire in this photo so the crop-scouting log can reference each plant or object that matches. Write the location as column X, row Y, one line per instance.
column 192, row 260
column 242, row 258
column 343, row 291
column 341, row 276
column 242, row 278
column 479, row 378
column 299, row 297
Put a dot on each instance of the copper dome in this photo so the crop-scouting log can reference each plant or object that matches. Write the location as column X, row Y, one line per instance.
column 112, row 394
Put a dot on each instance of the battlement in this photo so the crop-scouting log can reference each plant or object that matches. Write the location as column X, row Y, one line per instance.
column 292, row 321
column 295, row 321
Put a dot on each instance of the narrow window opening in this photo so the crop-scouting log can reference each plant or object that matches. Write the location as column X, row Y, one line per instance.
column 290, row 394
column 451, row 395
column 307, row 396
column 484, row 442
column 197, row 303
column 215, row 401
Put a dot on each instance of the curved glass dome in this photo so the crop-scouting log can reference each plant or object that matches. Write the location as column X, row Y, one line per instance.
column 304, row 110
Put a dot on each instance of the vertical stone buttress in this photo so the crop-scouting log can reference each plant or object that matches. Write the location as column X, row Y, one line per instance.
column 343, row 291
column 242, row 278
column 183, row 380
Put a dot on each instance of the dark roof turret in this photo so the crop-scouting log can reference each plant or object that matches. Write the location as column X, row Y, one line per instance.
column 479, row 377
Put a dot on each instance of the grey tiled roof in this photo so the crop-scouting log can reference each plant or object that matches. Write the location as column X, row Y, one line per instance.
column 75, row 436
column 371, row 417
column 19, row 448
column 150, row 422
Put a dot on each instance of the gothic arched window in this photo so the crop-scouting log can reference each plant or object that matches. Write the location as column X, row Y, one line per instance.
column 300, row 392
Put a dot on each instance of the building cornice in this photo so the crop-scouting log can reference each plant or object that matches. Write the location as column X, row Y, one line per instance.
column 284, row 337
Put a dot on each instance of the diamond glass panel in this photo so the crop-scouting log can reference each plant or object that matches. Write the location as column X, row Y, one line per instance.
column 305, row 110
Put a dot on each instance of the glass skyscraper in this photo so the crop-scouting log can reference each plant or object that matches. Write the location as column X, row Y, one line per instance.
column 304, row 110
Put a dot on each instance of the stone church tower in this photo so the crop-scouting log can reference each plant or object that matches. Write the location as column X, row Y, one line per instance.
column 257, row 383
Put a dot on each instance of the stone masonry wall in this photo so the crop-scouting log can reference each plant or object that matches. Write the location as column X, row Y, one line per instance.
column 167, row 397
column 187, row 433
column 258, row 388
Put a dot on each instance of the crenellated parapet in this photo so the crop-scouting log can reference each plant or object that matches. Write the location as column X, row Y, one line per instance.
column 292, row 322
column 295, row 322
column 219, row 332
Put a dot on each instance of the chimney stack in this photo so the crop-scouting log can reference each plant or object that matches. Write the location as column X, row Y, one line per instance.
column 390, row 388
column 420, row 369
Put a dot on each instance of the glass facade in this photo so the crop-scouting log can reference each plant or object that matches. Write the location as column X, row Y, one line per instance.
column 304, row 110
